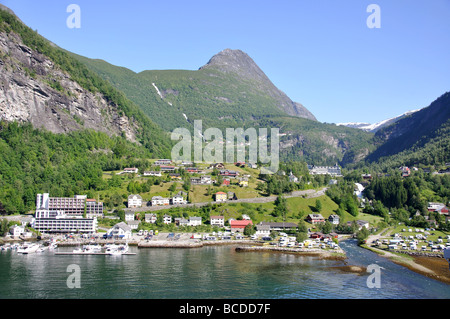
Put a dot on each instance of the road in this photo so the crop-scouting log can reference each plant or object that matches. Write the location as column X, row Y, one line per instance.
column 310, row 193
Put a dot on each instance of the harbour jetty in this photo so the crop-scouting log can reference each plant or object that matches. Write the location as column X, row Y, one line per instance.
column 191, row 243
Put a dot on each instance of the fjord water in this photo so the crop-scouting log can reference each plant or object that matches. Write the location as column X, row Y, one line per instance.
column 208, row 272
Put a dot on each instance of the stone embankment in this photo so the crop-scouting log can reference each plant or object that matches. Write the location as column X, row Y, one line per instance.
column 192, row 244
column 333, row 254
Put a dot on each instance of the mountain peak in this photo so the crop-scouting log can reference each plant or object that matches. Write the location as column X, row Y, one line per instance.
column 242, row 65
column 235, row 61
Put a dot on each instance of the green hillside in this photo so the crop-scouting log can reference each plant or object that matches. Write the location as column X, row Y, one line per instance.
column 227, row 99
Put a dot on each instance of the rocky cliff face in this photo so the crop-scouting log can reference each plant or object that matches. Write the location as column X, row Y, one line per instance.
column 33, row 89
column 239, row 63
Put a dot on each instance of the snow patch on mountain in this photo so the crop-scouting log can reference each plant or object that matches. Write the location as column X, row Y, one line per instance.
column 376, row 126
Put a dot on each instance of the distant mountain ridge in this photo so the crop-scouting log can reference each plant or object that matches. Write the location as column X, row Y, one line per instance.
column 231, row 91
column 376, row 126
column 422, row 136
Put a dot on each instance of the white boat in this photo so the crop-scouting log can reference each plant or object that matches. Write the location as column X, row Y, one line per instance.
column 42, row 249
column 92, row 248
column 52, row 246
column 28, row 248
column 118, row 250
column 6, row 246
column 111, row 248
column 77, row 250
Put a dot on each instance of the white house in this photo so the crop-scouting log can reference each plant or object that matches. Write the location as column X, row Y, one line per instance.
column 120, row 230
column 129, row 216
column 293, row 178
column 16, row 230
column 334, row 219
column 195, row 221
column 167, row 219
column 181, row 222
column 178, row 199
column 153, row 173
column 262, row 230
column 134, row 224
column 130, row 170
column 163, row 162
column 362, row 223
column 134, row 201
column 150, row 218
column 160, row 201
column 217, row 221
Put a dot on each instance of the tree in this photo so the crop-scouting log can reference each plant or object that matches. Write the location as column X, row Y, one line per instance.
column 249, row 230
column 4, row 227
column 280, row 207
column 327, row 227
column 173, row 187
column 301, row 236
column 318, row 206
column 362, row 235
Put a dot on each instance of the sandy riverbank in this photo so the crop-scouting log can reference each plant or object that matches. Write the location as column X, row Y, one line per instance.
column 431, row 267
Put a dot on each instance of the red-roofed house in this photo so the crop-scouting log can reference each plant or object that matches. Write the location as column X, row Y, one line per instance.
column 239, row 225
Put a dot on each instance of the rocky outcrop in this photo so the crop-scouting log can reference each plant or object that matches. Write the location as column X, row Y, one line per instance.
column 34, row 89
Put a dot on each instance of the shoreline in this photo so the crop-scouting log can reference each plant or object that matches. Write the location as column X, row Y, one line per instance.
column 432, row 267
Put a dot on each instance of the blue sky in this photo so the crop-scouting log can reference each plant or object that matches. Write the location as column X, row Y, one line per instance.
column 319, row 52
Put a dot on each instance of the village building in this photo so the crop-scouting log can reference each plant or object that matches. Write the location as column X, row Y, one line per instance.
column 239, row 225
column 243, row 182
column 195, row 221
column 153, row 173
column 162, row 162
column 217, row 221
column 220, row 197
column 192, row 170
column 178, row 200
column 438, row 207
column 16, row 230
column 134, row 224
column 334, row 219
column 324, row 170
column 279, row 226
column 217, row 166
column 94, row 209
column 129, row 216
column 228, row 173
column 166, row 168
column 120, row 230
column 231, row 196
column 134, row 201
column 315, row 218
column 181, row 222
column 405, row 171
column 226, row 182
column 62, row 215
column 150, row 218
column 130, row 170
column 160, row 201
column 262, row 230
column 293, row 178
column 167, row 219
column 203, row 180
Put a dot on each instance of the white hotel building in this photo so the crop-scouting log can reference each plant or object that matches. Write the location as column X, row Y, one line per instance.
column 64, row 215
